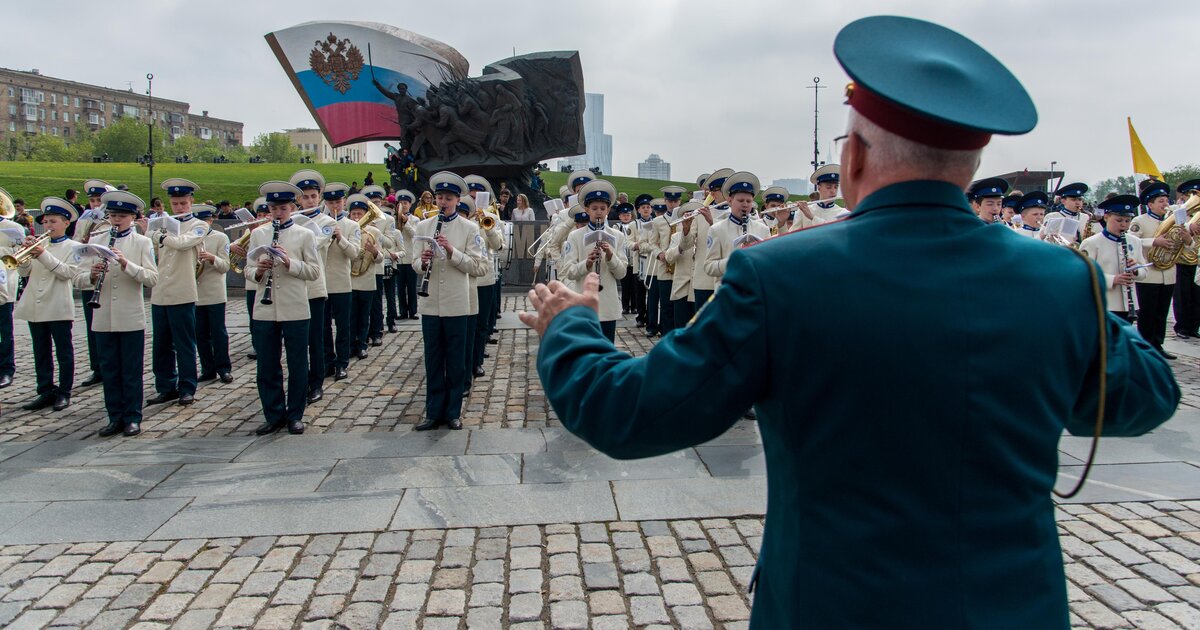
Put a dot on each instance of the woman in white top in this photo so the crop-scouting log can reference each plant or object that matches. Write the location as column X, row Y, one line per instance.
column 522, row 212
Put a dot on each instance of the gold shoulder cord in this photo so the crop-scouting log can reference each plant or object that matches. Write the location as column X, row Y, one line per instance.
column 1102, row 324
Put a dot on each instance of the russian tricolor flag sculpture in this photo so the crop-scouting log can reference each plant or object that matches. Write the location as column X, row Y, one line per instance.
column 332, row 65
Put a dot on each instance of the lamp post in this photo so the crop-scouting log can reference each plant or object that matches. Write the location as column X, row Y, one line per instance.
column 1051, row 182
column 816, row 87
column 149, row 161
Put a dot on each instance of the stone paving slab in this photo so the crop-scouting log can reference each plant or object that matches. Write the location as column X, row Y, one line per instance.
column 590, row 465
column 58, row 453
column 497, row 441
column 12, row 449
column 313, row 513
column 423, row 472
column 356, row 446
column 690, row 498
column 251, row 478
column 174, row 451
column 87, row 521
column 79, row 483
column 1177, row 440
column 734, row 460
column 484, row 506
column 1173, row 481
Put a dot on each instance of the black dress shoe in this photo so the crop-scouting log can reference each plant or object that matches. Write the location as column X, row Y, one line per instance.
column 94, row 379
column 187, row 399
column 132, row 429
column 62, row 401
column 296, row 427
column 486, row 355
column 5, row 381
column 493, row 340
column 362, row 354
column 378, row 341
column 252, row 356
column 478, row 372
column 1162, row 351
column 207, row 376
column 267, row 428
column 427, row 425
column 162, row 398
column 339, row 374
column 455, row 424
column 392, row 328
column 41, row 402
column 329, row 371
column 315, row 395
column 112, row 429
column 226, row 377
column 414, row 317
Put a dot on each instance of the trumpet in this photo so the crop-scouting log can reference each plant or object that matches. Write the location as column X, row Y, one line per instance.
column 25, row 254
column 485, row 220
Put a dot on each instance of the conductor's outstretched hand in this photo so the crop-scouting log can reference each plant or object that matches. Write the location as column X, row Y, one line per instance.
column 550, row 300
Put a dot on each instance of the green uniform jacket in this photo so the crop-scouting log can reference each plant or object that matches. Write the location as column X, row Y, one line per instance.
column 910, row 426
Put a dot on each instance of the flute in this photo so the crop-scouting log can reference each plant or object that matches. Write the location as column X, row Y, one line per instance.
column 424, row 291
column 268, row 291
column 95, row 301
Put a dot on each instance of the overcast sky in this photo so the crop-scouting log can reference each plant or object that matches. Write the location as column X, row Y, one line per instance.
column 705, row 84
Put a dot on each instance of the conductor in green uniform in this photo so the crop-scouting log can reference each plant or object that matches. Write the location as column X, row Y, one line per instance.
column 909, row 481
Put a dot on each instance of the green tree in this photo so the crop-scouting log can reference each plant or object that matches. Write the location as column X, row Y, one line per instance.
column 48, row 148
column 275, row 147
column 124, row 140
column 1120, row 185
column 1180, row 174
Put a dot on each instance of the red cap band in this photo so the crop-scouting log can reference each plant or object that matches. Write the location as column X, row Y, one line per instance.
column 911, row 125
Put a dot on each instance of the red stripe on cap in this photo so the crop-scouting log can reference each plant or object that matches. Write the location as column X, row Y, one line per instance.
column 913, row 126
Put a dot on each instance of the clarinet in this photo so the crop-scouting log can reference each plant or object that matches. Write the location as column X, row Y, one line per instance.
column 267, row 297
column 424, row 290
column 600, row 258
column 1126, row 290
column 95, row 301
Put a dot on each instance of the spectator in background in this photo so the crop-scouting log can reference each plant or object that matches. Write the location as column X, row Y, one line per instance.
column 369, row 180
column 506, row 204
column 522, row 212
column 22, row 217
column 72, row 196
column 247, row 205
column 156, row 207
column 353, row 188
column 387, row 189
column 225, row 210
column 409, row 176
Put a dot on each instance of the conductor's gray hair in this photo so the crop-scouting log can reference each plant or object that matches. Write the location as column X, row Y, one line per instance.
column 889, row 151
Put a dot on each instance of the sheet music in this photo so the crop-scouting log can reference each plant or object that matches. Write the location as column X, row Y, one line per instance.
column 263, row 250
column 438, row 251
column 94, row 249
column 482, row 199
column 745, row 239
column 16, row 235
column 166, row 222
column 243, row 215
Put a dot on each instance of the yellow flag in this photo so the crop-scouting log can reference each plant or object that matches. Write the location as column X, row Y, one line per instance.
column 1141, row 159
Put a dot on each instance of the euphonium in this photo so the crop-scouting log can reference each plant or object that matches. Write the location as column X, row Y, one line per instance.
column 237, row 262
column 1164, row 258
column 1188, row 255
column 365, row 261
column 25, row 254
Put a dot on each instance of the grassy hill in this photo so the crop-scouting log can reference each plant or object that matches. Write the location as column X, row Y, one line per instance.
column 236, row 182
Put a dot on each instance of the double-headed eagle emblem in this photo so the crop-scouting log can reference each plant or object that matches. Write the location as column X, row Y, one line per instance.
column 337, row 62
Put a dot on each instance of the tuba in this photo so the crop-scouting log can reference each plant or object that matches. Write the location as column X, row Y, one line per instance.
column 365, row 261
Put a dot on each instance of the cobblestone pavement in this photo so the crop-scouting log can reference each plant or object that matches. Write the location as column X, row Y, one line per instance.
column 513, row 524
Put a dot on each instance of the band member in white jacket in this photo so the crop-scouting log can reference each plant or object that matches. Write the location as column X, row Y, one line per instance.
column 597, row 248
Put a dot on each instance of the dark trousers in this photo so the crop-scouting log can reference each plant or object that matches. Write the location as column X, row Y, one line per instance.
column 93, row 360
column 666, row 312
column 8, row 365
column 271, row 339
column 174, row 346
column 610, row 330
column 639, row 286
column 469, row 354
column 702, row 296
column 250, row 295
column 629, row 291
column 316, row 344
column 337, row 347
column 682, row 311
column 445, row 365
column 1186, row 301
column 407, row 292
column 1153, row 302
column 377, row 308
column 483, row 325
column 389, row 290
column 497, row 291
column 360, row 319
column 122, row 357
column 653, row 295
column 1123, row 315
column 53, row 337
column 212, row 339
